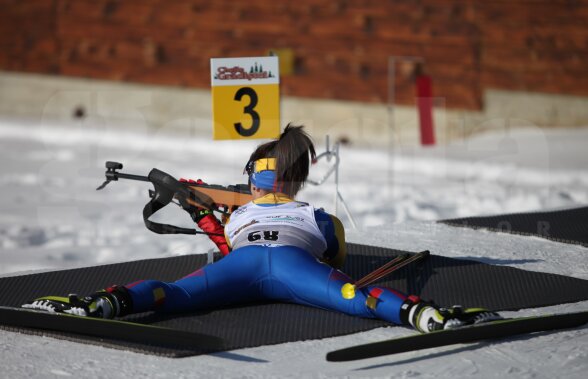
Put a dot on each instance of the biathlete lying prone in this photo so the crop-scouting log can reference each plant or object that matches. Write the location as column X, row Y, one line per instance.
column 276, row 248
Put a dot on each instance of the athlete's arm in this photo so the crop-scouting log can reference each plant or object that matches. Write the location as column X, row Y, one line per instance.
column 334, row 233
column 208, row 222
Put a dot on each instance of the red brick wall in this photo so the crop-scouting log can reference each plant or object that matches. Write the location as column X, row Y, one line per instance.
column 341, row 47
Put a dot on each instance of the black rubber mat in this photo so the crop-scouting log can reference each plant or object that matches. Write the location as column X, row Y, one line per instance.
column 445, row 280
column 569, row 225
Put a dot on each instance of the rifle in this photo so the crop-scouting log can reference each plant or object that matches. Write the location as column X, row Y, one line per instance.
column 222, row 199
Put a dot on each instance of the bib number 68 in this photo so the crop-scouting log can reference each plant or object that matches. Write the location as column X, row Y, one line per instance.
column 267, row 235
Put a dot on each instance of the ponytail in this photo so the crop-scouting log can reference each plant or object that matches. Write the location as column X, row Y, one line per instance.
column 292, row 158
column 293, row 152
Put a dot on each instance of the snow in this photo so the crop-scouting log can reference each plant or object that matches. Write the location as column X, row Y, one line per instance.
column 51, row 217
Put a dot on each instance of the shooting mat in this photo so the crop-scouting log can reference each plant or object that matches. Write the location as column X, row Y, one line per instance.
column 568, row 225
column 448, row 281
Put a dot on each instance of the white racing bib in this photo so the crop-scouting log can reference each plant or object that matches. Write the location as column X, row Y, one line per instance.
column 291, row 224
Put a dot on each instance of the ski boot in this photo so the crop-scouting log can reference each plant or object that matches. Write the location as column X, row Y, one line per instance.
column 426, row 317
column 110, row 303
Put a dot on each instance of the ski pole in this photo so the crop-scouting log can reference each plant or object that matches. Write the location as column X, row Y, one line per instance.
column 348, row 289
column 381, row 269
column 378, row 274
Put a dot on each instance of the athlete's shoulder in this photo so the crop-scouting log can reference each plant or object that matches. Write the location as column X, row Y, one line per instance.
column 321, row 214
column 242, row 209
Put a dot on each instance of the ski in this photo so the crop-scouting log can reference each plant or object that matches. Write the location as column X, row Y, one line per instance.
column 112, row 329
column 491, row 330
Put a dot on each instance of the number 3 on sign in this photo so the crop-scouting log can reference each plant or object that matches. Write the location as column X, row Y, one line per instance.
column 250, row 109
column 245, row 98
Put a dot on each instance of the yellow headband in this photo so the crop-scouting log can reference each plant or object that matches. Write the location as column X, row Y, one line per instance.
column 265, row 164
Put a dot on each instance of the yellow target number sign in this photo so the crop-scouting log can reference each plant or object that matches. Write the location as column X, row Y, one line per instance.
column 245, row 98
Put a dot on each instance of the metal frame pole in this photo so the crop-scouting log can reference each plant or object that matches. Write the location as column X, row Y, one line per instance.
column 328, row 154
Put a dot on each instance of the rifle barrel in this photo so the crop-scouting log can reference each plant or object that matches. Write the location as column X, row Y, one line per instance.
column 121, row 175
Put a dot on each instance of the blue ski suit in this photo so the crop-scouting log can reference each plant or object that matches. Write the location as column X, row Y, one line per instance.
column 256, row 271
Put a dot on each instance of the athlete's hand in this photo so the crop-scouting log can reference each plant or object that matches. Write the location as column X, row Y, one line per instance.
column 207, row 221
column 197, row 213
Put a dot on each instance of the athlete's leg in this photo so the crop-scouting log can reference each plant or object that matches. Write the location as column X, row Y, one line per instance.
column 304, row 280
column 233, row 279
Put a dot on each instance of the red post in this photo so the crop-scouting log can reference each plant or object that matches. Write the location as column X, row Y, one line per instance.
column 425, row 105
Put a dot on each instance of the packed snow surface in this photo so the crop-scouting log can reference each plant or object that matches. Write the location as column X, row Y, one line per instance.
column 52, row 218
